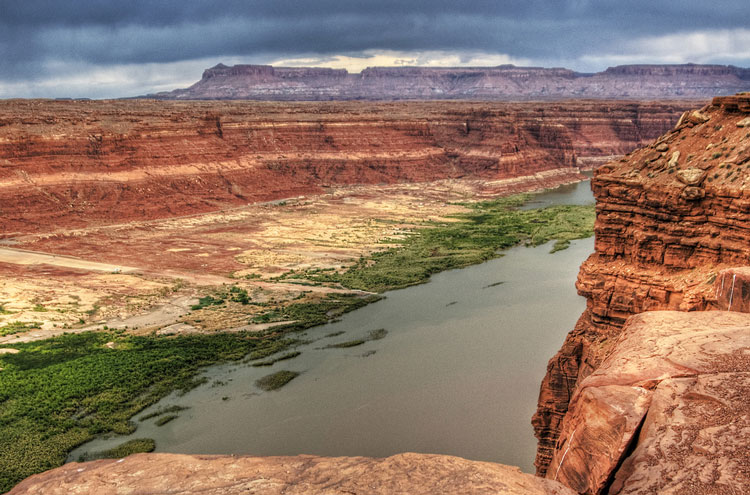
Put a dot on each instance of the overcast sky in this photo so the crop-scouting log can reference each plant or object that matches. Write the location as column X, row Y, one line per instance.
column 112, row 48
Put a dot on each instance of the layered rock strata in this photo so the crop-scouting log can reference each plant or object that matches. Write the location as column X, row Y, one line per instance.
column 505, row 82
column 672, row 233
column 70, row 164
column 414, row 474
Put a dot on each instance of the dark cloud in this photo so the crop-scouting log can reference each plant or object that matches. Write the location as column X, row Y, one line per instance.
column 37, row 36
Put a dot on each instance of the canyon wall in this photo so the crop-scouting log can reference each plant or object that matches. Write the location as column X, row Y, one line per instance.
column 66, row 164
column 672, row 233
column 505, row 82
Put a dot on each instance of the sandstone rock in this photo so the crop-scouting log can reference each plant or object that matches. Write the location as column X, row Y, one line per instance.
column 744, row 122
column 693, row 440
column 651, row 157
column 697, row 117
column 691, row 193
column 662, row 147
column 685, row 377
column 654, row 250
column 682, row 119
column 732, row 288
column 675, row 158
column 690, row 176
column 414, row 474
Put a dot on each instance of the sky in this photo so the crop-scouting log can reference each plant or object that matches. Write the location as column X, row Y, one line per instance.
column 117, row 48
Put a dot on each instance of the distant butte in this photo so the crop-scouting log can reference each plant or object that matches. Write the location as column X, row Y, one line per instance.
column 504, row 82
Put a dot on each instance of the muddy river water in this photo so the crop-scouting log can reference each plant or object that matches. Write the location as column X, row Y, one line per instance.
column 458, row 372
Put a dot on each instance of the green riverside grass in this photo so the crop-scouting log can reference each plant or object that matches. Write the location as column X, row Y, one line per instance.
column 165, row 419
column 283, row 357
column 59, row 393
column 161, row 412
column 275, row 381
column 476, row 237
column 346, row 345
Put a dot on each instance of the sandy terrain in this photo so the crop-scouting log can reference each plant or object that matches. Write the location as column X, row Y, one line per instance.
column 145, row 276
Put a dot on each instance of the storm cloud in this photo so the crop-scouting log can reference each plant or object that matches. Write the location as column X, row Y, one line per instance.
column 105, row 48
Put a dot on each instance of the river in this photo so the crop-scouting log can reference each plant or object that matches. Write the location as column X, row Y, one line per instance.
column 458, row 372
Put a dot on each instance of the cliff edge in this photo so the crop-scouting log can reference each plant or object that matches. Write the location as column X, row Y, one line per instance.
column 659, row 401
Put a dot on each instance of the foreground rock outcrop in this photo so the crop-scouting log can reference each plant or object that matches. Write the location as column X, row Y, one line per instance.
column 413, row 474
column 668, row 410
column 672, row 233
column 73, row 164
column 505, row 82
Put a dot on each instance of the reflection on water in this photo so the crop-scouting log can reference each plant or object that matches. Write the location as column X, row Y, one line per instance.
column 457, row 373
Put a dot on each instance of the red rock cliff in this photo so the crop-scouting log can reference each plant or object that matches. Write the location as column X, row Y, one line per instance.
column 71, row 164
column 672, row 233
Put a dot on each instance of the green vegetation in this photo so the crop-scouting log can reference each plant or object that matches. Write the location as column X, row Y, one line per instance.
column 165, row 419
column 58, row 393
column 234, row 294
column 275, row 381
column 344, row 345
column 479, row 234
column 238, row 294
column 497, row 283
column 378, row 334
column 206, row 301
column 4, row 311
column 309, row 314
column 134, row 446
column 171, row 409
column 18, row 327
column 283, row 357
column 268, row 348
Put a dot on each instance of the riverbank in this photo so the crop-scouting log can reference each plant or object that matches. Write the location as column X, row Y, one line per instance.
column 171, row 263
column 60, row 392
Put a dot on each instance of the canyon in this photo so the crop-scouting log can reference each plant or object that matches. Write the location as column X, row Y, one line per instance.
column 504, row 82
column 155, row 199
column 74, row 164
column 649, row 392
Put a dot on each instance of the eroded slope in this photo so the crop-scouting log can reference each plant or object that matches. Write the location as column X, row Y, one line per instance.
column 67, row 164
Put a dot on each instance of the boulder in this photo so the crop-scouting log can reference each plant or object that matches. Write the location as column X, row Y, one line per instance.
column 692, row 193
column 674, row 159
column 691, row 176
